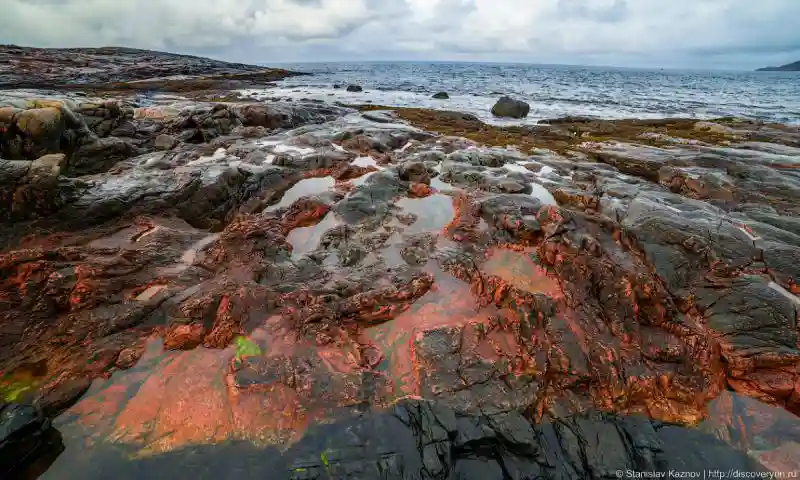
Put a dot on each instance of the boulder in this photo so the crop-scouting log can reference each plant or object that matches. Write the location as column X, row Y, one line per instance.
column 354, row 88
column 165, row 142
column 41, row 129
column 510, row 107
column 415, row 172
column 7, row 115
column 510, row 186
column 441, row 96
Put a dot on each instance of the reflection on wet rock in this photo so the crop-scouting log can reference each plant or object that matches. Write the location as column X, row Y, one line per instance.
column 252, row 271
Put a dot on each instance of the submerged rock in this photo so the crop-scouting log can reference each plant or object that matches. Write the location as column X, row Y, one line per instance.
column 417, row 439
column 28, row 444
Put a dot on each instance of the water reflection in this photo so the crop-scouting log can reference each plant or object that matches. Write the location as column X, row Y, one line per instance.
column 433, row 212
column 304, row 188
column 306, row 239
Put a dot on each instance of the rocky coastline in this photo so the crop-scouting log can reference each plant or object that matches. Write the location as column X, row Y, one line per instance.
column 504, row 300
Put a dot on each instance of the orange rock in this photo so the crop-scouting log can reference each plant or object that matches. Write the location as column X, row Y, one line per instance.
column 419, row 190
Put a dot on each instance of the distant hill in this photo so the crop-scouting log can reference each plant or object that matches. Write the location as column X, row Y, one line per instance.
column 792, row 67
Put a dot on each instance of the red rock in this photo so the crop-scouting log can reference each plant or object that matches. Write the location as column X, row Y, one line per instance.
column 184, row 337
column 419, row 190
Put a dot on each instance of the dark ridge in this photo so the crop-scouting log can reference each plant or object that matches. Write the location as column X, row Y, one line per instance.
column 789, row 67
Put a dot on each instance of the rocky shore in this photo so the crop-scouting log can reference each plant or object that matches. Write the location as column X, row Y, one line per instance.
column 115, row 71
column 472, row 301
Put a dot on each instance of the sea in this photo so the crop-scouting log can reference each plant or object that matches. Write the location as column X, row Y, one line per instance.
column 553, row 90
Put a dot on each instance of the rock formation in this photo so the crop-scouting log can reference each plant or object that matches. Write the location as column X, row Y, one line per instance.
column 510, row 107
column 538, row 290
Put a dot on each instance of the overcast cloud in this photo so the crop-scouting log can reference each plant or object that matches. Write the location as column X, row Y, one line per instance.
column 669, row 33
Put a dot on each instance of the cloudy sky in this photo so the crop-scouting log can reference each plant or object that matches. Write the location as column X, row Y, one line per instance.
column 667, row 33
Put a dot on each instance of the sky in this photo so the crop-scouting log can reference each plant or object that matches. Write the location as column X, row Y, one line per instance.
column 729, row 34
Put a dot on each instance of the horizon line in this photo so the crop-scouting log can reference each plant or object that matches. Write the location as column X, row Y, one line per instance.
column 526, row 63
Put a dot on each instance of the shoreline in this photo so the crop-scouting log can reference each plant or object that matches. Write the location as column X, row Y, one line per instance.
column 291, row 262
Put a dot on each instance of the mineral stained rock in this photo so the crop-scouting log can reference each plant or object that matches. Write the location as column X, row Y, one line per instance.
column 419, row 439
column 634, row 268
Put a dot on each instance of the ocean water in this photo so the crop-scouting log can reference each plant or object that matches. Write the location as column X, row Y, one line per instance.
column 554, row 91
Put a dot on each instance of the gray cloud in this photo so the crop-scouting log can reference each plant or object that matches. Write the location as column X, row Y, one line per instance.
column 732, row 33
column 615, row 11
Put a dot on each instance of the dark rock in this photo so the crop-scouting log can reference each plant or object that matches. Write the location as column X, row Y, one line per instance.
column 34, row 189
column 789, row 67
column 98, row 155
column 354, row 88
column 285, row 114
column 418, row 440
column 56, row 398
column 415, row 172
column 441, row 96
column 509, row 107
column 370, row 200
column 27, row 442
column 566, row 120
column 42, row 129
column 105, row 118
column 759, row 327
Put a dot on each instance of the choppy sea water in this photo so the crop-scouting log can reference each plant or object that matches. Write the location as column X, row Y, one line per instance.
column 554, row 91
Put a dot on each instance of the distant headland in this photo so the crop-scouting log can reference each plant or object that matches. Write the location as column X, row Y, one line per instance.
column 791, row 67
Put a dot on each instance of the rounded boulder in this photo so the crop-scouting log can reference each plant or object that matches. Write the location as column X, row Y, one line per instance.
column 511, row 108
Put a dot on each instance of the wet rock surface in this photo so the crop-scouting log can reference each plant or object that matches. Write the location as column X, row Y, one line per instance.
column 283, row 264
column 27, row 441
column 420, row 439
